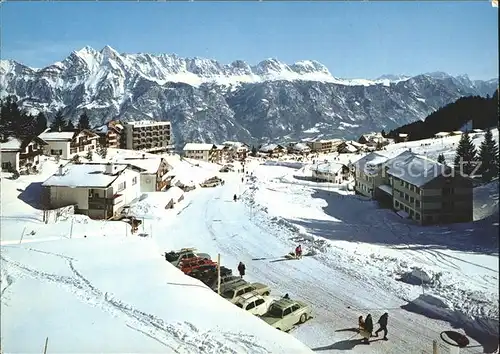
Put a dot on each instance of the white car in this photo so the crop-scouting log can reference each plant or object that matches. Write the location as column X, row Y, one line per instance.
column 254, row 303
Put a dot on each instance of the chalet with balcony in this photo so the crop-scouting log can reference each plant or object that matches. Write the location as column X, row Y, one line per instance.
column 236, row 150
column 21, row 155
column 68, row 144
column 152, row 168
column 330, row 172
column 97, row 190
column 110, row 134
column 201, row 151
column 272, row 150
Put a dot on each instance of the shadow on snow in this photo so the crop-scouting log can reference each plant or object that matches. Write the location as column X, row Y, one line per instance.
column 32, row 195
column 360, row 220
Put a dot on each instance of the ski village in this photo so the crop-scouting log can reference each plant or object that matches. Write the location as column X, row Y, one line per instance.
column 114, row 240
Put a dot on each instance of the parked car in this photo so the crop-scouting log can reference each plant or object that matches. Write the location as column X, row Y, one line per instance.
column 225, row 281
column 208, row 273
column 284, row 314
column 195, row 263
column 253, row 303
column 232, row 293
column 175, row 257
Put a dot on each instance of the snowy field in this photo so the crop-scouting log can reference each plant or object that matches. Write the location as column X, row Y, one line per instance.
column 94, row 279
column 90, row 286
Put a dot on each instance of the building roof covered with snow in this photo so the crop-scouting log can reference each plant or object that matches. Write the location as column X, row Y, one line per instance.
column 301, row 147
column 416, row 169
column 199, row 147
column 57, row 136
column 14, row 144
column 269, row 147
column 85, row 175
column 328, row 167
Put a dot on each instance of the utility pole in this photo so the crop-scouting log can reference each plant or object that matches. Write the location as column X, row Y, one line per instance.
column 218, row 273
column 435, row 347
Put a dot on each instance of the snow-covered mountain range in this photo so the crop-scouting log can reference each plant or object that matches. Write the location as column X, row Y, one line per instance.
column 210, row 101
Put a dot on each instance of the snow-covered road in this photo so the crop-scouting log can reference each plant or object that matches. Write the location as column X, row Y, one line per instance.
column 215, row 224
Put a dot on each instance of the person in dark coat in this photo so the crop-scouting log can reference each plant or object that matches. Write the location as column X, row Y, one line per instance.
column 235, row 197
column 368, row 326
column 241, row 269
column 382, row 321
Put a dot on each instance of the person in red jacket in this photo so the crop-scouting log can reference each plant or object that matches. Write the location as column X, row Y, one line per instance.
column 298, row 251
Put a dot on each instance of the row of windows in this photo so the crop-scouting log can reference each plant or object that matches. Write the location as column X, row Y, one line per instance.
column 410, row 199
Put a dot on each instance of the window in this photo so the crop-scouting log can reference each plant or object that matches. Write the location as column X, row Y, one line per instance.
column 121, row 186
column 250, row 306
column 447, row 191
column 417, row 216
column 259, row 302
column 417, row 203
column 295, row 308
column 396, row 203
column 56, row 152
column 287, row 311
column 412, row 199
column 134, row 181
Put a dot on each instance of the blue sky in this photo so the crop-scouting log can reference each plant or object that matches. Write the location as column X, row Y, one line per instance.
column 353, row 39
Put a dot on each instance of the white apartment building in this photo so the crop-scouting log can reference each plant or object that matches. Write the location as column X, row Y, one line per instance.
column 148, row 135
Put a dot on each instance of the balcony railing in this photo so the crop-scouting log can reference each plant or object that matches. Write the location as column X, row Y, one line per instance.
column 117, row 198
column 30, row 154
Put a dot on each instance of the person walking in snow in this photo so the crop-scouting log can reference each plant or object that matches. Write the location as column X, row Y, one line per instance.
column 361, row 323
column 241, row 269
column 368, row 329
column 382, row 321
column 235, row 197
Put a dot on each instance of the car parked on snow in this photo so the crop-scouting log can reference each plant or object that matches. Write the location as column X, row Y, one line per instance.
column 232, row 293
column 284, row 314
column 190, row 264
column 253, row 303
column 226, row 281
column 207, row 273
column 175, row 257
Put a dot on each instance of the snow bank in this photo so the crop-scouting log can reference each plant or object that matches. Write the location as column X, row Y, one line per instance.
column 119, row 295
column 486, row 200
column 484, row 330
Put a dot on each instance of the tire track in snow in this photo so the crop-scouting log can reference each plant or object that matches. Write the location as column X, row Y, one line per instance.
column 186, row 336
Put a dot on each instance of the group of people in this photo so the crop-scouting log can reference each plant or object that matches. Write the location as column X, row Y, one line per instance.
column 366, row 326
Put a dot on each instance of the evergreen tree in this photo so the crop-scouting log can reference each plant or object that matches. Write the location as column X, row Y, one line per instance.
column 69, row 127
column 466, row 155
column 102, row 151
column 59, row 124
column 89, row 155
column 441, row 159
column 83, row 121
column 254, row 151
column 76, row 159
column 41, row 123
column 488, row 157
column 383, row 133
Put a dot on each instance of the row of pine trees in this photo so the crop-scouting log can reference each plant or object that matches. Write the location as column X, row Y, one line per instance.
column 14, row 122
column 482, row 164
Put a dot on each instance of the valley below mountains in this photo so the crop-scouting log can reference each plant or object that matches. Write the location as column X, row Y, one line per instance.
column 207, row 101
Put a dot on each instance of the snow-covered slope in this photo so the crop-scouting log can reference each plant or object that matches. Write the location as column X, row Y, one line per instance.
column 90, row 286
column 210, row 101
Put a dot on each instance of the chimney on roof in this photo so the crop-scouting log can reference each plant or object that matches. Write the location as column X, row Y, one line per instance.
column 409, row 149
column 60, row 170
column 143, row 156
column 109, row 168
